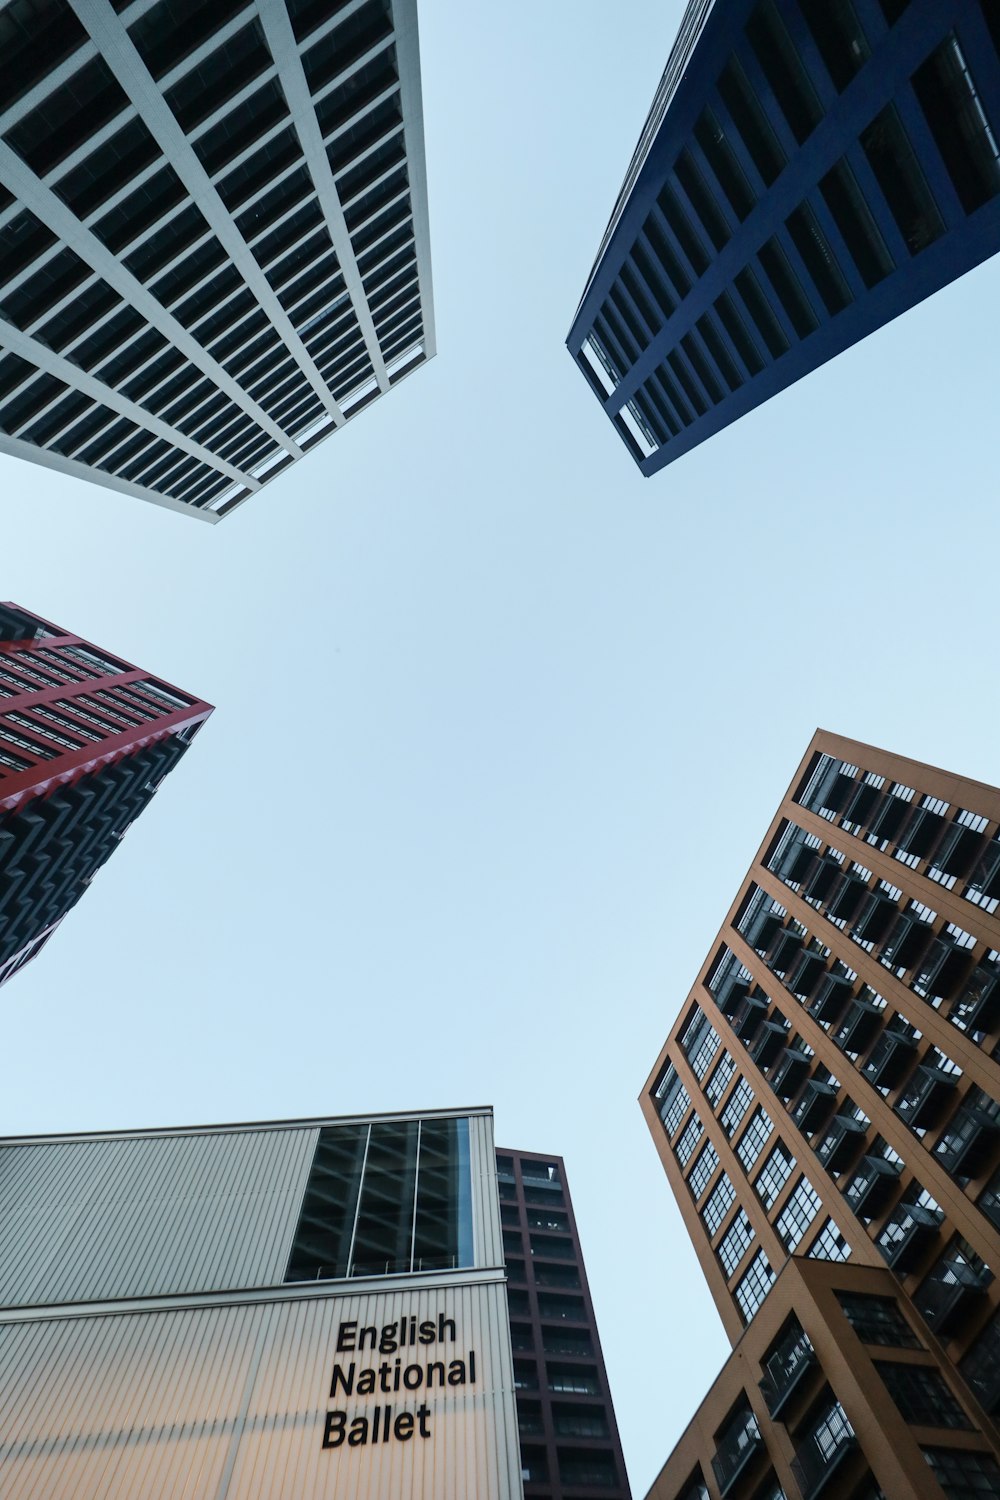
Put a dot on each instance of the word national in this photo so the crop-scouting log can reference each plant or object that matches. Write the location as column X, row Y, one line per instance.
column 391, row 1376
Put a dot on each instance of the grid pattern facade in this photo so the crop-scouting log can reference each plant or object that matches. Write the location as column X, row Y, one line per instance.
column 570, row 1447
column 809, row 170
column 85, row 740
column 214, row 231
column 856, row 987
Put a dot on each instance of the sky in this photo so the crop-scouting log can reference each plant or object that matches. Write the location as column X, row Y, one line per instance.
column 500, row 723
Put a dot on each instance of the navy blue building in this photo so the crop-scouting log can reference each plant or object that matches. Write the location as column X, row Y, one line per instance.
column 809, row 169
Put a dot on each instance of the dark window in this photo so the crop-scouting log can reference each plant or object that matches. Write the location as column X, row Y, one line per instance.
column 128, row 152
column 762, row 312
column 173, row 29
column 738, row 334
column 27, row 403
column 35, row 37
column 260, row 168
column 362, row 208
column 371, row 127
column 87, row 306
column 877, row 1320
column 717, row 349
column 722, row 159
column 65, row 411
column 306, row 15
column 24, row 239
column 155, row 198
column 170, row 240
column 921, row 1394
column 818, row 258
column 839, row 36
column 14, row 371
column 279, row 200
column 99, row 344
column 899, row 175
column 95, row 419
column 309, row 216
column 365, row 84
column 959, row 124
column 122, row 365
column 342, row 46
column 395, row 216
column 67, row 116
column 219, row 76
column 214, row 292
column 782, row 67
column 50, row 284
column 192, row 269
column 702, row 200
column 752, row 123
column 854, row 220
column 652, row 276
column 684, row 231
column 788, row 287
column 701, row 368
column 964, row 1474
column 241, row 126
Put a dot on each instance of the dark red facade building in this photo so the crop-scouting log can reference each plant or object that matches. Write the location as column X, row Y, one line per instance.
column 85, row 741
column 570, row 1449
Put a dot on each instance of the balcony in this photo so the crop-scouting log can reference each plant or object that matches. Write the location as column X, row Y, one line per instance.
column 906, row 1238
column 731, row 993
column 831, row 790
column 805, row 973
column 786, row 1369
column 760, row 929
column 969, row 1144
column 749, row 1017
column 822, row 879
column 872, row 1186
column 784, row 950
column 948, row 1296
column 864, row 802
column 860, row 1026
column 943, row 968
column 889, row 819
column 906, row 942
column 772, row 1037
column 831, row 997
column 927, row 1097
column 842, row 1142
column 957, row 851
column 825, row 1448
column 847, row 898
column 790, row 1073
column 875, row 918
column 796, row 863
column 985, row 879
column 977, row 1010
column 814, row 1106
column 921, row 833
column 736, row 1448
column 891, row 1059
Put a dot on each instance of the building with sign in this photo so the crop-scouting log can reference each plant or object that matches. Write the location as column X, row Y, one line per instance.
column 827, row 1111
column 569, row 1438
column 213, row 221
column 809, row 170
column 85, row 741
column 313, row 1308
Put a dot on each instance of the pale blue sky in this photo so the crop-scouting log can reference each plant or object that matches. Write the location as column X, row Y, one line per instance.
column 500, row 723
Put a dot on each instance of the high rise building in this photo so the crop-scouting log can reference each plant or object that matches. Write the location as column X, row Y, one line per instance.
column 569, row 1438
column 827, row 1110
column 213, row 220
column 309, row 1308
column 85, row 741
column 809, row 170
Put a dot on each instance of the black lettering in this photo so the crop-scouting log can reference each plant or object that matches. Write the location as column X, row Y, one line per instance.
column 456, row 1372
column 413, row 1331
column 383, row 1378
column 358, row 1434
column 472, row 1366
column 388, row 1343
column 423, row 1412
column 427, row 1333
column 403, row 1426
column 417, row 1374
column 340, row 1379
column 435, row 1365
column 385, row 1424
column 364, row 1338
column 333, row 1429
column 346, row 1332
column 444, row 1323
column 366, row 1383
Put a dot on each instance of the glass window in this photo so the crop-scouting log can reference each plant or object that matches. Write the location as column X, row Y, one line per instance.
column 754, row 1138
column 788, row 287
column 959, row 124
column 171, row 30
column 735, row 1243
column 724, row 162
column 67, row 116
column 773, row 1175
column 672, row 1100
column 761, row 312
column 23, row 62
column 798, row 1213
column 829, row 1244
column 964, row 1474
column 922, row 1395
column 877, row 1320
column 736, row 329
column 702, row 1170
column 754, row 1285
column 720, row 1201
column 899, row 175
column 702, row 199
column 782, row 67
column 690, row 1136
column 752, row 123
column 719, row 1081
column 839, row 37
column 818, row 258
column 739, row 1102
column 853, row 218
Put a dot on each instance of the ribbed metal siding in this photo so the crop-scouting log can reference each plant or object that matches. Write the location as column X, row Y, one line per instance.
column 91, row 1220
column 487, row 1233
column 228, row 1403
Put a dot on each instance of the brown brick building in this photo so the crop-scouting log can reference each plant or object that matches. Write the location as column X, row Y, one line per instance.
column 827, row 1110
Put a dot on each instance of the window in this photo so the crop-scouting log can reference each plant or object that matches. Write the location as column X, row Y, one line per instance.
column 690, row 1137
column 782, row 67
column 798, row 1213
column 774, row 1174
column 720, row 1201
column 754, row 1286
column 853, row 218
column 959, row 124
column 724, row 162
column 673, row 1099
column 964, row 1474
column 702, row 1170
column 753, row 1139
column 739, row 1102
column 700, row 1042
column 877, row 1320
column 839, row 37
column 903, row 184
column 735, row 1243
column 921, row 1394
column 788, row 287
column 751, row 121
column 829, row 1244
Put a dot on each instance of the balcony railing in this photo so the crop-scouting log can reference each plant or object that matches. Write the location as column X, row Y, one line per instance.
column 927, row 1096
column 786, row 1369
column 749, row 1017
column 805, row 973
column 904, row 1240
column 874, row 918
column 956, row 854
column 784, row 950
column 814, row 1106
column 790, row 1073
column 977, row 1009
column 847, row 898
column 970, row 1142
column 822, row 879
column 864, row 802
column 772, row 1037
column 831, row 997
column 759, row 929
column 906, row 942
column 950, row 1293
column 872, row 1186
column 736, row 1448
column 825, row 1448
column 985, row 879
column 891, row 1059
column 731, row 993
column 862, row 1023
column 842, row 1142
column 943, row 968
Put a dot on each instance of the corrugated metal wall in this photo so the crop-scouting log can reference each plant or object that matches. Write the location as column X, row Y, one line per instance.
column 90, row 1220
column 486, row 1230
column 229, row 1403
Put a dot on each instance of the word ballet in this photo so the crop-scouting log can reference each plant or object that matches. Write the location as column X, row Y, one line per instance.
column 353, row 1378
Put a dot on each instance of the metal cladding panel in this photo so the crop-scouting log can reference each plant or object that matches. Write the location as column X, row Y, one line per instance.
column 148, row 1216
column 232, row 1402
column 486, row 1229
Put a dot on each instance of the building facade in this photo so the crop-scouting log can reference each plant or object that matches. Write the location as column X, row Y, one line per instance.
column 827, row 1110
column 570, row 1449
column 85, row 741
column 214, row 231
column 809, row 170
column 313, row 1308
